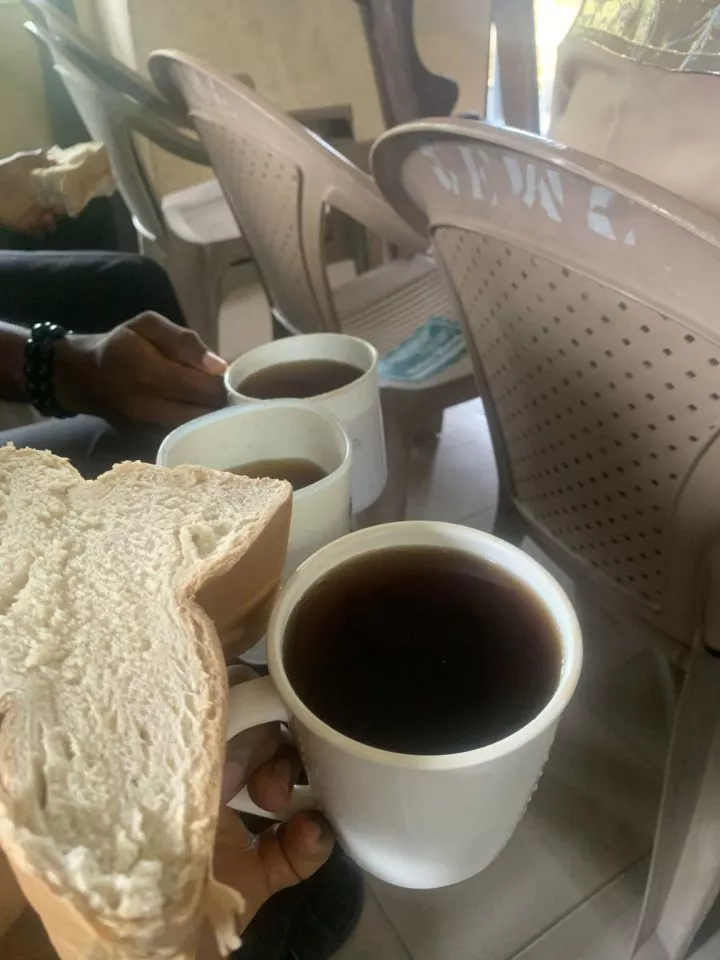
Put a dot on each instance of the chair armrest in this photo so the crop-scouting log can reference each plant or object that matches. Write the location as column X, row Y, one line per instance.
column 369, row 207
column 170, row 138
column 333, row 123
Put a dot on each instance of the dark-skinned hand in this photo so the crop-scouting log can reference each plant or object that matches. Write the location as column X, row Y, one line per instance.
column 146, row 371
column 280, row 857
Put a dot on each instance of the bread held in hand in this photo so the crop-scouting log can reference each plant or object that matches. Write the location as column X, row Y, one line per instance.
column 116, row 597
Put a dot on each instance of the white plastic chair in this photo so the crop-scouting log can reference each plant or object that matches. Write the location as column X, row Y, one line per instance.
column 409, row 91
column 191, row 232
column 590, row 300
column 116, row 74
column 280, row 181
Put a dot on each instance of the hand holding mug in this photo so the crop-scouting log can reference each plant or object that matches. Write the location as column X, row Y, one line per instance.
column 423, row 669
column 263, row 760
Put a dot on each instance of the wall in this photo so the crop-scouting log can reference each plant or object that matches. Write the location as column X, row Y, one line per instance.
column 24, row 121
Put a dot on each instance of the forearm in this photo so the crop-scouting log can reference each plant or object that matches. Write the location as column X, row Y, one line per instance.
column 12, row 361
column 69, row 363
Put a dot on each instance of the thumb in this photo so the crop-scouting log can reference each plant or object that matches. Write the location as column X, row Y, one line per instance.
column 278, row 858
column 177, row 343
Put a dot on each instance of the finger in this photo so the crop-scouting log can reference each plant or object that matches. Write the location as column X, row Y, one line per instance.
column 245, row 753
column 175, row 381
column 49, row 223
column 32, row 221
column 279, row 859
column 295, row 850
column 178, row 343
column 250, row 749
column 271, row 785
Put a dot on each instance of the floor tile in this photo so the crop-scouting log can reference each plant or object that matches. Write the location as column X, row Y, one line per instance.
column 482, row 520
column 374, row 937
column 604, row 928
column 244, row 317
column 591, row 819
column 707, row 942
column 454, row 477
column 601, row 929
column 710, row 950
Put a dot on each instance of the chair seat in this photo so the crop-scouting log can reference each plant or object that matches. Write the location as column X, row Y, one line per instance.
column 201, row 215
column 387, row 305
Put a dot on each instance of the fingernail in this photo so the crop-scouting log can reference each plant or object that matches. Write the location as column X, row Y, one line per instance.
column 283, row 772
column 318, row 827
column 213, row 363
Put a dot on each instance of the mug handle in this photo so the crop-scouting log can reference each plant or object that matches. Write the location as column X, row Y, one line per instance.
column 251, row 704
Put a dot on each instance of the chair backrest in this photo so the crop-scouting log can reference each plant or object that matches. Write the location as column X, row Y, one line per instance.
column 590, row 301
column 114, row 118
column 111, row 70
column 516, row 51
column 409, row 91
column 406, row 88
column 279, row 180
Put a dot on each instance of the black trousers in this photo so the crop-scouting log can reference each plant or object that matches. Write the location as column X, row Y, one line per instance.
column 87, row 293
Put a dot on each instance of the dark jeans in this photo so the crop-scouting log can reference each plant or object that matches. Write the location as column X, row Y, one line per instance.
column 87, row 293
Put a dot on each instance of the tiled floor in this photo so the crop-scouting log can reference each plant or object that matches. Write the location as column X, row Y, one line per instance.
column 568, row 885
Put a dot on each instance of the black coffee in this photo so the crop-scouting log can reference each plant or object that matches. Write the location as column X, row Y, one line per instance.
column 300, row 473
column 299, row 379
column 422, row 650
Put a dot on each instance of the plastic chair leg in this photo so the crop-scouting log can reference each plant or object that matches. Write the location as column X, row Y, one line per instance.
column 684, row 876
column 508, row 524
column 198, row 290
column 398, row 423
column 197, row 281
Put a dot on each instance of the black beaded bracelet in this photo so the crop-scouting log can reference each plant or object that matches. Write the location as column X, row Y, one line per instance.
column 39, row 356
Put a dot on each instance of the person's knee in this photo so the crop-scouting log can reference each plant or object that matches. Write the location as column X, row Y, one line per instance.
column 151, row 287
column 140, row 271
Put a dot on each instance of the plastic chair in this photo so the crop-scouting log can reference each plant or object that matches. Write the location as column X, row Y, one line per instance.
column 589, row 298
column 409, row 91
column 191, row 232
column 114, row 72
column 280, row 181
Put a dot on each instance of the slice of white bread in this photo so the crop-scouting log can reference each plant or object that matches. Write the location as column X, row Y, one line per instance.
column 113, row 691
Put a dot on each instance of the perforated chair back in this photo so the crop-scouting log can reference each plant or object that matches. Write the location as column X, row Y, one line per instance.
column 590, row 299
column 279, row 179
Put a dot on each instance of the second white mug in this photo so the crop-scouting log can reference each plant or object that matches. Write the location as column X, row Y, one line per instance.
column 276, row 430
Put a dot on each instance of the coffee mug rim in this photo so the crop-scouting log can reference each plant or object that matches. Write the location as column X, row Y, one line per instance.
column 374, row 358
column 264, row 405
column 571, row 641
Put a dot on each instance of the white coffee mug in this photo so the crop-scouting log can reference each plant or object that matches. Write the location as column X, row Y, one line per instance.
column 414, row 821
column 276, row 429
column 356, row 406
